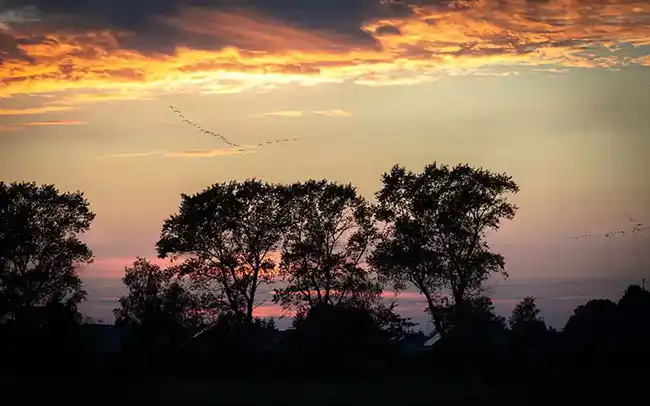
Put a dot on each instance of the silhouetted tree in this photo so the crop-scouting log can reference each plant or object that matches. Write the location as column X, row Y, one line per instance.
column 227, row 233
column 528, row 330
column 435, row 235
column 634, row 319
column 231, row 336
column 42, row 340
column 40, row 251
column 158, row 310
column 340, row 337
column 473, row 325
column 392, row 323
column 324, row 250
column 592, row 327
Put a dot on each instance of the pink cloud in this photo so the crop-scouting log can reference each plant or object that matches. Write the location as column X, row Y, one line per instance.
column 272, row 310
column 112, row 268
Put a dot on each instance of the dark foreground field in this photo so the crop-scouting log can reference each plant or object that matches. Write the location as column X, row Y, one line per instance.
column 356, row 391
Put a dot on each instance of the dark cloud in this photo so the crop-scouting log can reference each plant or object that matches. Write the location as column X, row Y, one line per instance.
column 341, row 17
column 9, row 48
column 387, row 30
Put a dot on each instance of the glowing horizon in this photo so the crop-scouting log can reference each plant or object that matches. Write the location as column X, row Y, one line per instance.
column 554, row 93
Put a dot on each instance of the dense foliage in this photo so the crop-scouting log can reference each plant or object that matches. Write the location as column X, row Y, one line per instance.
column 328, row 256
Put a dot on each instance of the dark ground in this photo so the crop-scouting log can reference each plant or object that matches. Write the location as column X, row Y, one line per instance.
column 358, row 391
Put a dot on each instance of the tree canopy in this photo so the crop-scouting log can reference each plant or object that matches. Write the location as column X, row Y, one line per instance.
column 436, row 223
column 527, row 328
column 40, row 250
column 323, row 253
column 157, row 306
column 335, row 254
column 228, row 234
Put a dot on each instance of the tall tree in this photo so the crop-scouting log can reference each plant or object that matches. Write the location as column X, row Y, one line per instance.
column 228, row 233
column 527, row 328
column 158, row 306
column 40, row 251
column 434, row 237
column 324, row 251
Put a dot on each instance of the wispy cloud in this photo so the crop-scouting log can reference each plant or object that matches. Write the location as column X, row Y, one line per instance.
column 333, row 113
column 7, row 129
column 132, row 154
column 208, row 153
column 34, row 110
column 51, row 123
column 197, row 153
column 282, row 113
column 299, row 113
column 85, row 98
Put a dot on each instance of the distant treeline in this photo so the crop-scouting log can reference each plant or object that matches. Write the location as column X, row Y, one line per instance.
column 328, row 252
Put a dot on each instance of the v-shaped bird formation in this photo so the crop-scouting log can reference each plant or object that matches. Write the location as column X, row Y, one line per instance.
column 224, row 139
column 637, row 230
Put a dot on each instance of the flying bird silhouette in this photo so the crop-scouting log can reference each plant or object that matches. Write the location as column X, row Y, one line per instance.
column 224, row 139
column 637, row 230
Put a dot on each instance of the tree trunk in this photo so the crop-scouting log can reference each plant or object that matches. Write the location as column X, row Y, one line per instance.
column 249, row 311
column 435, row 314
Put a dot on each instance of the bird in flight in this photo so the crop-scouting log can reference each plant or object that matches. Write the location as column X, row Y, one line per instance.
column 637, row 230
column 224, row 139
column 638, row 226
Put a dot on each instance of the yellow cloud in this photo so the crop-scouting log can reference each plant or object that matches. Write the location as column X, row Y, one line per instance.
column 84, row 98
column 283, row 113
column 299, row 113
column 642, row 60
column 333, row 113
column 428, row 44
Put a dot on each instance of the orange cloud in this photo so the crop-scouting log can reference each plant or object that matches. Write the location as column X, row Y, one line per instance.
column 268, row 310
column 6, row 129
column 34, row 111
column 263, row 53
column 207, row 153
column 50, row 123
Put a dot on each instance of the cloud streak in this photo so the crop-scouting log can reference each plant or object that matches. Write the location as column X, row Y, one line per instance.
column 284, row 113
column 333, row 113
column 184, row 46
column 51, row 123
column 300, row 113
column 198, row 153
column 7, row 129
column 34, row 110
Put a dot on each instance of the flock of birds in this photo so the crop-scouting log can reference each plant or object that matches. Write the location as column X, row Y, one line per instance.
column 637, row 230
column 224, row 139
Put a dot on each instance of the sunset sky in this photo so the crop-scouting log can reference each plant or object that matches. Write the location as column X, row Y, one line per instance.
column 554, row 92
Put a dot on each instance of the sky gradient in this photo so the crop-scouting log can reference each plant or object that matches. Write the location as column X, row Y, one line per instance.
column 554, row 92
